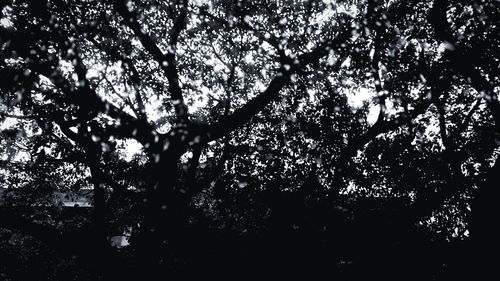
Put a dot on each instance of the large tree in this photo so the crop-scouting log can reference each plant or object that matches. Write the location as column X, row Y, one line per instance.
column 198, row 122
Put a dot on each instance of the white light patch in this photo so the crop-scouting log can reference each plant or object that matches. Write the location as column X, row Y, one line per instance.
column 200, row 3
column 131, row 147
column 22, row 156
column 357, row 98
column 372, row 115
column 92, row 73
column 6, row 23
column 8, row 123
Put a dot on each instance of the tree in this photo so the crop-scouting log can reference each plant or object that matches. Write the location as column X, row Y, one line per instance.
column 254, row 118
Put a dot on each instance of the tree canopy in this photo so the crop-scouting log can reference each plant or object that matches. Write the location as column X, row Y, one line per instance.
column 248, row 139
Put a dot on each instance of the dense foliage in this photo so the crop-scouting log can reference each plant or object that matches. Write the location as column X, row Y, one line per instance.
column 263, row 139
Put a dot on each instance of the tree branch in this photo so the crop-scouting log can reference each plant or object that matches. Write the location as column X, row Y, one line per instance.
column 381, row 126
column 271, row 39
column 242, row 115
column 465, row 122
column 140, row 111
column 459, row 60
column 166, row 61
column 127, row 126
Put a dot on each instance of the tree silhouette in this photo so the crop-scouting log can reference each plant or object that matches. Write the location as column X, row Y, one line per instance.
column 295, row 139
